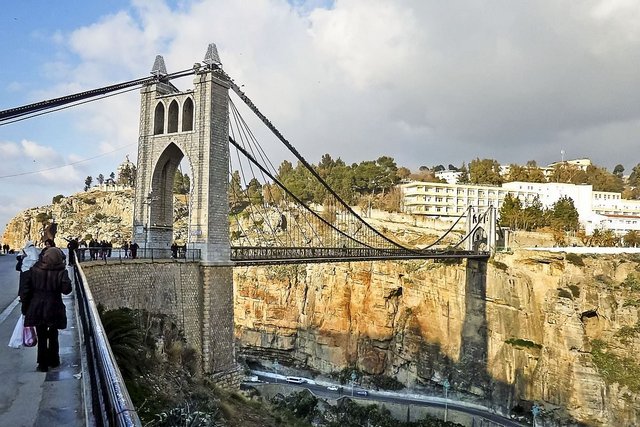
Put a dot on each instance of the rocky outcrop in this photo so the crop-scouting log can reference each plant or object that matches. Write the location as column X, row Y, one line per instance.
column 103, row 215
column 98, row 214
column 517, row 330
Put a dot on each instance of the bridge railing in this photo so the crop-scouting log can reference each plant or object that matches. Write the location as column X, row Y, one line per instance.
column 271, row 254
column 110, row 404
column 119, row 255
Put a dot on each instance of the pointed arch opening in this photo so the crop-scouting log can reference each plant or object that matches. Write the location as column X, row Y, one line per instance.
column 158, row 119
column 187, row 115
column 169, row 198
column 173, row 117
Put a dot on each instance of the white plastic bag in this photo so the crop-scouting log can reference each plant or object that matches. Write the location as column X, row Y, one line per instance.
column 16, row 337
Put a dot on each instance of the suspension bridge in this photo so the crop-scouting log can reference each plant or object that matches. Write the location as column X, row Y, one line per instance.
column 277, row 226
column 229, row 223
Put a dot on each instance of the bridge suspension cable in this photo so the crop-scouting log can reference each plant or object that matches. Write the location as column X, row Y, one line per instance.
column 308, row 166
column 31, row 110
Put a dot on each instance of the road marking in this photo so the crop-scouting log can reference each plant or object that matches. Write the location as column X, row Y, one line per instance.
column 7, row 311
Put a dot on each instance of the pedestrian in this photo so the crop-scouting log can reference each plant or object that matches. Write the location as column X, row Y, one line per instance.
column 28, row 256
column 125, row 247
column 73, row 245
column 133, row 247
column 174, row 250
column 42, row 306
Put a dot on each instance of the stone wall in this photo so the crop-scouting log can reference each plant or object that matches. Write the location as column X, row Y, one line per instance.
column 164, row 287
column 198, row 298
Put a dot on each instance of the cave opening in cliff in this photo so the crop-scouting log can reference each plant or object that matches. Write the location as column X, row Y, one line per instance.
column 588, row 315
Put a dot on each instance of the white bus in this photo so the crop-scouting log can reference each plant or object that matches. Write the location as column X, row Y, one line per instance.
column 296, row 380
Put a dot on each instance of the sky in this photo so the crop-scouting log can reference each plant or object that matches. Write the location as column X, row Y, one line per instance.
column 426, row 82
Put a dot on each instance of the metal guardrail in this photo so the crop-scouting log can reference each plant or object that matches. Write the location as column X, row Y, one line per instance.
column 110, row 401
column 262, row 255
column 118, row 255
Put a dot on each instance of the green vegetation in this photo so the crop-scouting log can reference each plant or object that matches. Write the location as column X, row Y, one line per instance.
column 563, row 293
column 575, row 290
column 57, row 198
column 632, row 303
column 615, row 369
column 43, row 217
column 519, row 342
column 631, row 282
column 627, row 333
column 167, row 391
column 574, row 259
column 386, row 382
column 499, row 265
column 181, row 183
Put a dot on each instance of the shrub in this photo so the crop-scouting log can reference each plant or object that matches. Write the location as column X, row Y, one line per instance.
column 574, row 259
column 575, row 290
column 631, row 282
column 386, row 383
column 519, row 342
column 563, row 293
column 615, row 369
column 57, row 198
column 499, row 265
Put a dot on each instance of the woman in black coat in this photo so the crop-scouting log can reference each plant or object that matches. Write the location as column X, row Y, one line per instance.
column 41, row 296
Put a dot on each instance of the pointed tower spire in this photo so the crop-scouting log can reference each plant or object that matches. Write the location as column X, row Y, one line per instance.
column 212, row 59
column 159, row 69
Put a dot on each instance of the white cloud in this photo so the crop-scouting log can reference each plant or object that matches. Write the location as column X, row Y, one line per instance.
column 424, row 82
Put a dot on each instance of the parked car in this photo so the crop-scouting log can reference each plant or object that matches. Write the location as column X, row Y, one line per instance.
column 332, row 388
column 362, row 392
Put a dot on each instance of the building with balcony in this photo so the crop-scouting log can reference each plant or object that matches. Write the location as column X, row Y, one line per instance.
column 596, row 209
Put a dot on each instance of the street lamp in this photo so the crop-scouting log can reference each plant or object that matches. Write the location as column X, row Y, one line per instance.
column 353, row 381
column 275, row 366
column 150, row 198
column 535, row 410
column 446, row 386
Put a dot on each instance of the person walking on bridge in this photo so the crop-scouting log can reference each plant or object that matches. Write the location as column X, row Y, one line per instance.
column 41, row 296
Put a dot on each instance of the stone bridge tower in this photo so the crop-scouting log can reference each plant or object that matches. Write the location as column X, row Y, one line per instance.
column 191, row 124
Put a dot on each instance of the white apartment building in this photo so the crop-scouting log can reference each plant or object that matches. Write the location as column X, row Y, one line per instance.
column 596, row 209
column 443, row 199
column 448, row 175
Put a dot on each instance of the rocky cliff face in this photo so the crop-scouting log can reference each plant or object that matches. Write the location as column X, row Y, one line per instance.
column 104, row 215
column 526, row 327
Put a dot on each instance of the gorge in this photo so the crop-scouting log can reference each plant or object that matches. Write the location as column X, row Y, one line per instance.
column 559, row 330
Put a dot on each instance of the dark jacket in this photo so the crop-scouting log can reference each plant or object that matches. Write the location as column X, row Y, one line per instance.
column 42, row 291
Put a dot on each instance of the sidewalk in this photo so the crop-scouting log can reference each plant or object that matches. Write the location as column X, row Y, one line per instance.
column 31, row 398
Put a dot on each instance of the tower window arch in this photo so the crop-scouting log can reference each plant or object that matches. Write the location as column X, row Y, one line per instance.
column 173, row 117
column 187, row 115
column 158, row 119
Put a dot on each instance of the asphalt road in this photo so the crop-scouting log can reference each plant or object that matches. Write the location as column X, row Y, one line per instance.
column 374, row 396
column 27, row 397
column 8, row 281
